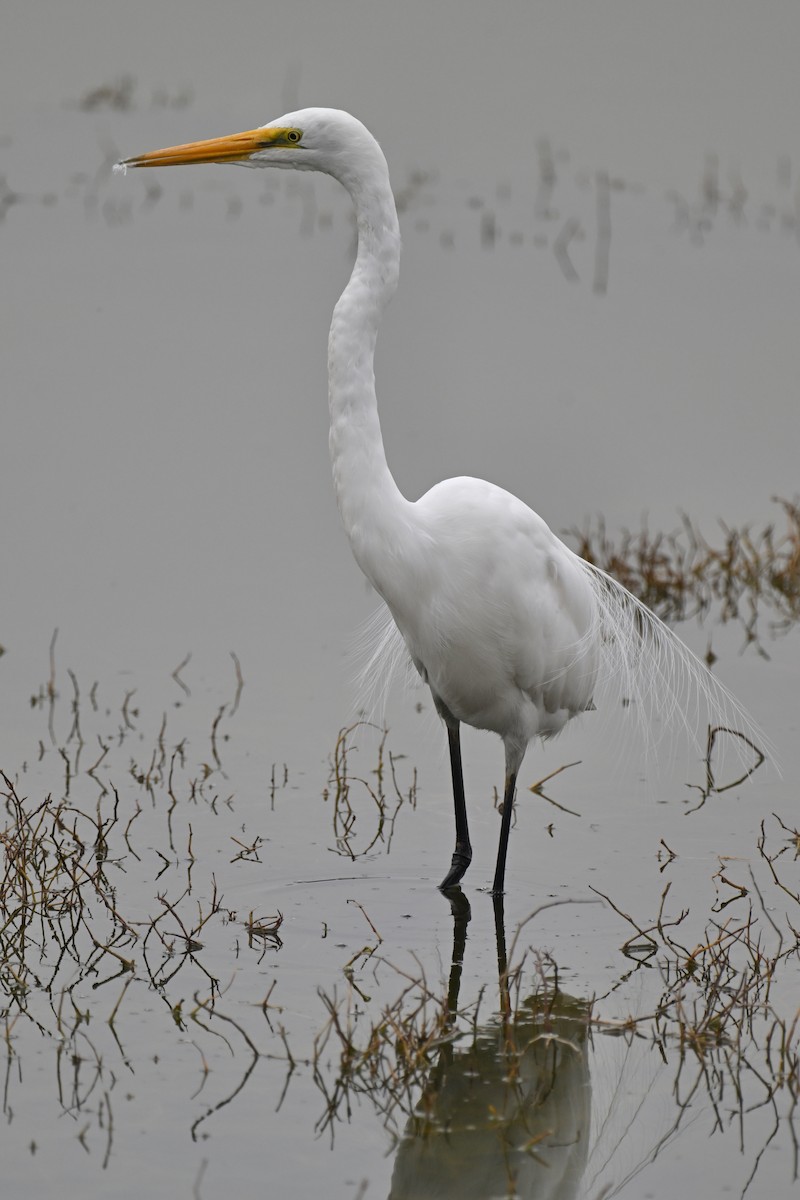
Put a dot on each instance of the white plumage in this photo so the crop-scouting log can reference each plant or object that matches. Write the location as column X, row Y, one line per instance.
column 506, row 625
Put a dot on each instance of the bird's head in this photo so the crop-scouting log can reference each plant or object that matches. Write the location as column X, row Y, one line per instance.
column 313, row 139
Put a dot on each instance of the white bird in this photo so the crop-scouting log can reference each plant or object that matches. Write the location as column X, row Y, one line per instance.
column 503, row 622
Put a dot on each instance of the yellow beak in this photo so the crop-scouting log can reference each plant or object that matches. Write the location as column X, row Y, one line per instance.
column 233, row 148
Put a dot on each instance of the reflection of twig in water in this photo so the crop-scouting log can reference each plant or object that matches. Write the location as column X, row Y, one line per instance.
column 711, row 786
column 239, row 684
column 214, row 727
column 570, row 230
column 51, row 688
column 176, row 674
column 536, row 788
column 542, row 205
column 213, row 1012
column 265, row 929
column 248, row 853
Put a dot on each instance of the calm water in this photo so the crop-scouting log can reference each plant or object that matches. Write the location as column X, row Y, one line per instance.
column 165, row 493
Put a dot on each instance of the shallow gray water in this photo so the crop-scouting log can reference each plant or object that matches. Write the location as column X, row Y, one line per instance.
column 165, row 491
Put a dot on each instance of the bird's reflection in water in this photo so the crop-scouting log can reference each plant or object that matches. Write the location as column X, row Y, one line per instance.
column 510, row 1114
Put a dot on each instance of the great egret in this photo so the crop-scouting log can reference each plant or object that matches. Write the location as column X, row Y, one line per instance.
column 503, row 622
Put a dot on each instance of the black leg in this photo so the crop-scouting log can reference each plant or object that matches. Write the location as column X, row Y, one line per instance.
column 462, row 855
column 502, row 849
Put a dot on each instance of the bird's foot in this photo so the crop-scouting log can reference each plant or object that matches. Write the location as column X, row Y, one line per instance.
column 461, row 860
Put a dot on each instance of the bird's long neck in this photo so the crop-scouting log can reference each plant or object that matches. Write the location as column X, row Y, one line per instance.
column 370, row 504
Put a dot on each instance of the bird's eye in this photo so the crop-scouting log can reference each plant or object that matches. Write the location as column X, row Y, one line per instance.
column 293, row 135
